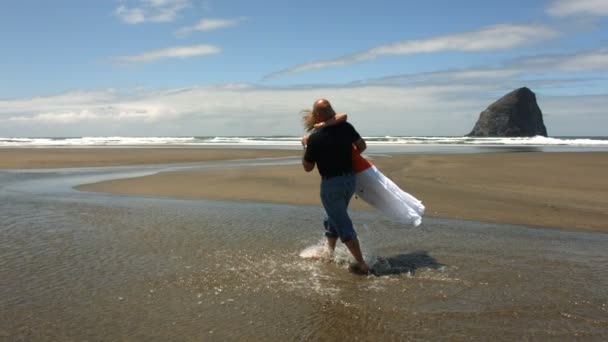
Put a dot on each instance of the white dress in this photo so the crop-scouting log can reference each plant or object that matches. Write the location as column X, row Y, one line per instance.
column 383, row 194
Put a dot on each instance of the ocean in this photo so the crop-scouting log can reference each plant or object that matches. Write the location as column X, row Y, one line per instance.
column 376, row 144
column 278, row 141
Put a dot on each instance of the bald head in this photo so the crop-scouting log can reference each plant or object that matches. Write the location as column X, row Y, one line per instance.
column 322, row 110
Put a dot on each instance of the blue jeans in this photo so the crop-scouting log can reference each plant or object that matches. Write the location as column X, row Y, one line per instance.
column 336, row 193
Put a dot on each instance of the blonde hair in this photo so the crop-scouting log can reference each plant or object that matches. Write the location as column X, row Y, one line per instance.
column 308, row 119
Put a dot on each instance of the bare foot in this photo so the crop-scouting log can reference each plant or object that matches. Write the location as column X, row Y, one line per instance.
column 359, row 268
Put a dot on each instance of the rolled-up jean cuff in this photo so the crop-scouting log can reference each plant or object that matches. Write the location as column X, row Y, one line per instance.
column 347, row 238
column 331, row 235
column 330, row 232
column 343, row 239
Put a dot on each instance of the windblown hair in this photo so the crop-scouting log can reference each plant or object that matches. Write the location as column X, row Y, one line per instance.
column 308, row 119
column 321, row 107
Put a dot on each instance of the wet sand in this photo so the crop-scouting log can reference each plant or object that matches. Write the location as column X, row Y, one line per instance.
column 94, row 266
column 561, row 190
column 89, row 267
column 24, row 158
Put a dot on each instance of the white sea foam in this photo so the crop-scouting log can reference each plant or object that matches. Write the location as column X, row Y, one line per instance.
column 531, row 141
column 95, row 141
column 295, row 141
column 316, row 252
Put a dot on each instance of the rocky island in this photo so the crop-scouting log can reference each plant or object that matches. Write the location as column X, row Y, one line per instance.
column 514, row 115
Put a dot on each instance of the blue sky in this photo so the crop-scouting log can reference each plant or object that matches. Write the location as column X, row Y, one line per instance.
column 196, row 67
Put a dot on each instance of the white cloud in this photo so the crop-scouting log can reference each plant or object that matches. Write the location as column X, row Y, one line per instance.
column 511, row 72
column 592, row 60
column 58, row 102
column 589, row 61
column 172, row 52
column 448, row 76
column 130, row 16
column 489, row 38
column 439, row 103
column 151, row 10
column 245, row 109
column 563, row 8
column 575, row 115
column 60, row 117
column 565, row 106
column 235, row 109
column 85, row 107
column 210, row 25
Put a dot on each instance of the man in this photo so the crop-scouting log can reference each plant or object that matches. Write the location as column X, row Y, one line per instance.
column 330, row 149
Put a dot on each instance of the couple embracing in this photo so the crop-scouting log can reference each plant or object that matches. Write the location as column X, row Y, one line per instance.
column 335, row 148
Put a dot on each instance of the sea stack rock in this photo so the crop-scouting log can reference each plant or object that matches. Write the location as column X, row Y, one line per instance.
column 514, row 115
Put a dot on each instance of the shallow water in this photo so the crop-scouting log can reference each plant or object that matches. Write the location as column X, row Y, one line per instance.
column 85, row 266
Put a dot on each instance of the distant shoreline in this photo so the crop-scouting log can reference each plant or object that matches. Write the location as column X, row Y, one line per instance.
column 294, row 141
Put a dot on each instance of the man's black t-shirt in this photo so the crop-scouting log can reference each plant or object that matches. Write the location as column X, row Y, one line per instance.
column 331, row 148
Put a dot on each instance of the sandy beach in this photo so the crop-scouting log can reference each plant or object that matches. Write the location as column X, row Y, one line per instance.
column 23, row 158
column 562, row 190
column 79, row 265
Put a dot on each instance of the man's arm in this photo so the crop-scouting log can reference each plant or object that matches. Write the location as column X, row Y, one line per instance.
column 308, row 166
column 360, row 145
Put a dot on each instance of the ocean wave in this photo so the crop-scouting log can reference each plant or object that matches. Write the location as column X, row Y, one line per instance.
column 529, row 141
column 295, row 140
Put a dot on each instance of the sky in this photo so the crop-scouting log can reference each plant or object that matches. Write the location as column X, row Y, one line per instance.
column 238, row 67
